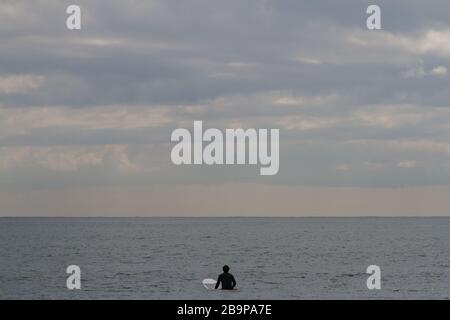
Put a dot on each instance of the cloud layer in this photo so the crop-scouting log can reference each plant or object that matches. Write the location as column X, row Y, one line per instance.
column 95, row 107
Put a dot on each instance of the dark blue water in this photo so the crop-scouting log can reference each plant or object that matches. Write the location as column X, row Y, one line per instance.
column 271, row 258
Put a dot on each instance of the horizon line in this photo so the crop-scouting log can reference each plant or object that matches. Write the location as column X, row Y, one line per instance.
column 236, row 216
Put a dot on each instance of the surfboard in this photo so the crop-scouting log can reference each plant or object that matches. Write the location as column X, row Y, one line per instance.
column 209, row 284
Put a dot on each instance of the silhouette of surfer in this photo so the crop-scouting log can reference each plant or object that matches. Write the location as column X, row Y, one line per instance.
column 227, row 279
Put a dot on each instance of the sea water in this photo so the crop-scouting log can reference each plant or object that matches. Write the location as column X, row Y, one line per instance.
column 271, row 258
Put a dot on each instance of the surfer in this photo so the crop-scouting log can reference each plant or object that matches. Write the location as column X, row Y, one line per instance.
column 227, row 279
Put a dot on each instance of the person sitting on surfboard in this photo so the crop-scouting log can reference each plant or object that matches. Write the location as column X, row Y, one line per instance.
column 227, row 279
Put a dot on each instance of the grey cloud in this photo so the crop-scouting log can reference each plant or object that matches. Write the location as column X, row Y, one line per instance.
column 220, row 61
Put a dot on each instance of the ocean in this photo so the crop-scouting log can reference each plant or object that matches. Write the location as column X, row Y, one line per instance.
column 271, row 258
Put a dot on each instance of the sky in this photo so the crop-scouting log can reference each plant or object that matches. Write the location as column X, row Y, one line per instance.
column 86, row 115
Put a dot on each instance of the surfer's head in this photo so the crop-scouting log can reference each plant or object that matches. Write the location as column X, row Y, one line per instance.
column 225, row 268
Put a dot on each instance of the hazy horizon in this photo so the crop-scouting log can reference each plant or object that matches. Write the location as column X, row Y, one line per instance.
column 222, row 217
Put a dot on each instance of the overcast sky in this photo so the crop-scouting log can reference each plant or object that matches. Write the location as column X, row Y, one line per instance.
column 86, row 116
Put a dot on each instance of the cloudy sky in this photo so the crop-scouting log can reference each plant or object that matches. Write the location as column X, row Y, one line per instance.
column 86, row 115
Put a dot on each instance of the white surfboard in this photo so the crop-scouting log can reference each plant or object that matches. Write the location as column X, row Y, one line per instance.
column 209, row 284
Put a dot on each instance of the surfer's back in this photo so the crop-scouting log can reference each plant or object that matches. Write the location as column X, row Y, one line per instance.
column 227, row 280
